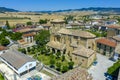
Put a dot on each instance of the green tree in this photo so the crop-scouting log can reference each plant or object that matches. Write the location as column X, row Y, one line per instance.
column 68, row 18
column 4, row 33
column 42, row 38
column 29, row 23
column 23, row 50
column 41, row 21
column 58, row 54
column 58, row 66
column 64, row 69
column 15, row 36
column 113, row 70
column 52, row 62
column 7, row 24
column 28, row 49
column 71, row 64
column 4, row 41
column 63, row 58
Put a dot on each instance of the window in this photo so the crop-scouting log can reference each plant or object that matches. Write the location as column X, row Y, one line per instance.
column 30, row 65
column 82, row 60
column 26, row 67
column 75, row 58
column 89, row 47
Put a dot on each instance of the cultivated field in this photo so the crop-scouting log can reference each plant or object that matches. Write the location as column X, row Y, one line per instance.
column 23, row 17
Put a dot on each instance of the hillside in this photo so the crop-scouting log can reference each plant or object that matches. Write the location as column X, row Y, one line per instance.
column 96, row 9
column 4, row 9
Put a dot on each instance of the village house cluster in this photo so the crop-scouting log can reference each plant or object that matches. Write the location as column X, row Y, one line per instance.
column 72, row 40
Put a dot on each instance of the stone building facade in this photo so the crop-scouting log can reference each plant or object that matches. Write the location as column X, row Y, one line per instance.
column 83, row 56
column 106, row 46
column 66, row 41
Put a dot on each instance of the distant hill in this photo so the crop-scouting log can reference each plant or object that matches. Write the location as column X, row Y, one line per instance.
column 97, row 9
column 4, row 9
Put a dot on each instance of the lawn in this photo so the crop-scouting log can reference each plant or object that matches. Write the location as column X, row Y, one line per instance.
column 1, row 77
column 46, row 59
column 53, row 61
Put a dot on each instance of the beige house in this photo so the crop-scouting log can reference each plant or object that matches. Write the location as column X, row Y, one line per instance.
column 106, row 46
column 27, row 40
column 83, row 56
column 67, row 41
column 113, row 30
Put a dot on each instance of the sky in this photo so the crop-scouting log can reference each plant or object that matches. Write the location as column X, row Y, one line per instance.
column 40, row 5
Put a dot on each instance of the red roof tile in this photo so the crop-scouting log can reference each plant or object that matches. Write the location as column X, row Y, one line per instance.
column 2, row 48
column 113, row 26
column 106, row 42
column 30, row 34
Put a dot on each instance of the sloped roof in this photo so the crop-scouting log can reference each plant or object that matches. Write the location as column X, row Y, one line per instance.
column 82, row 51
column 116, row 37
column 57, row 21
column 56, row 45
column 79, row 33
column 114, row 26
column 76, row 24
column 74, row 44
column 106, row 42
column 29, row 34
column 64, row 31
column 16, row 59
column 24, row 30
column 74, row 74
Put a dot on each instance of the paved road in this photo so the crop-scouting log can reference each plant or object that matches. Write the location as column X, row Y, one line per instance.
column 101, row 67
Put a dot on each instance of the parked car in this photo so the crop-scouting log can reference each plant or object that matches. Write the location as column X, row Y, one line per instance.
column 94, row 63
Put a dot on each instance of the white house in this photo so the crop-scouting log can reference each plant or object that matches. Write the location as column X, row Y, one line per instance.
column 18, row 62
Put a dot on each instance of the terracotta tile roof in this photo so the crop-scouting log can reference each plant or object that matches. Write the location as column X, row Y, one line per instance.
column 24, row 30
column 2, row 48
column 29, row 34
column 106, row 42
column 22, row 40
column 113, row 26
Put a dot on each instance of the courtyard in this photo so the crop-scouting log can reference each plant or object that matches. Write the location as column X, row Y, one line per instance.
column 100, row 68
